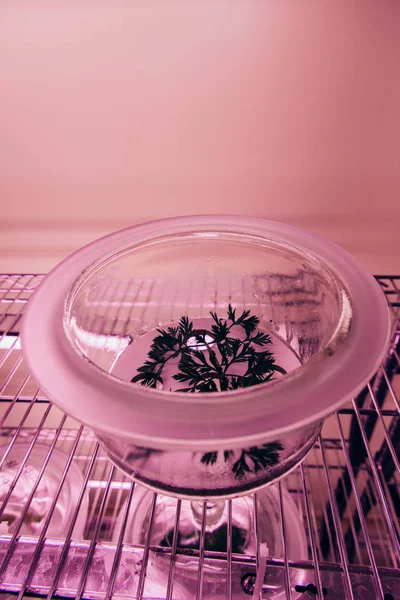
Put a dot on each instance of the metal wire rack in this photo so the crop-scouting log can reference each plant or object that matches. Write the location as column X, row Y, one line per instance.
column 60, row 535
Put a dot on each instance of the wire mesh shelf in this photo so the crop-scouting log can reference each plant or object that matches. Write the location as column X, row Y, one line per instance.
column 65, row 510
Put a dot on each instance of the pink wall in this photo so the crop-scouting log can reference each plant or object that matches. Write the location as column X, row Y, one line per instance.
column 116, row 112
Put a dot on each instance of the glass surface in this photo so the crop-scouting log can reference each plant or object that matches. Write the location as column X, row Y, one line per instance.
column 133, row 292
column 91, row 323
column 244, row 538
column 117, row 305
column 188, row 474
column 15, row 491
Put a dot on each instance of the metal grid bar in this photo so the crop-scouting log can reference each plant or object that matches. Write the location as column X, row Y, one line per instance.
column 378, row 484
column 146, row 552
column 200, row 579
column 93, row 541
column 311, row 530
column 288, row 587
column 173, row 551
column 377, row 581
column 367, row 518
column 337, row 525
column 66, row 544
column 25, row 509
column 229, row 553
column 118, row 551
column 40, row 542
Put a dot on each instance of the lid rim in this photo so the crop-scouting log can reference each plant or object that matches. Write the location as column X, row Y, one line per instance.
column 79, row 389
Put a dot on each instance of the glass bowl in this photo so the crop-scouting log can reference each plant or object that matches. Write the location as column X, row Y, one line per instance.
column 245, row 540
column 92, row 322
column 15, row 491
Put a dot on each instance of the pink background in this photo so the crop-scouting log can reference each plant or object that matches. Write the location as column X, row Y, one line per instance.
column 113, row 113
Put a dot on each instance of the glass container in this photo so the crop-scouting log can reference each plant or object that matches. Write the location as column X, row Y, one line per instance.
column 245, row 540
column 92, row 322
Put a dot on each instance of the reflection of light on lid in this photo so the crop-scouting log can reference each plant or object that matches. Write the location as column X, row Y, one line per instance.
column 194, row 343
column 110, row 343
